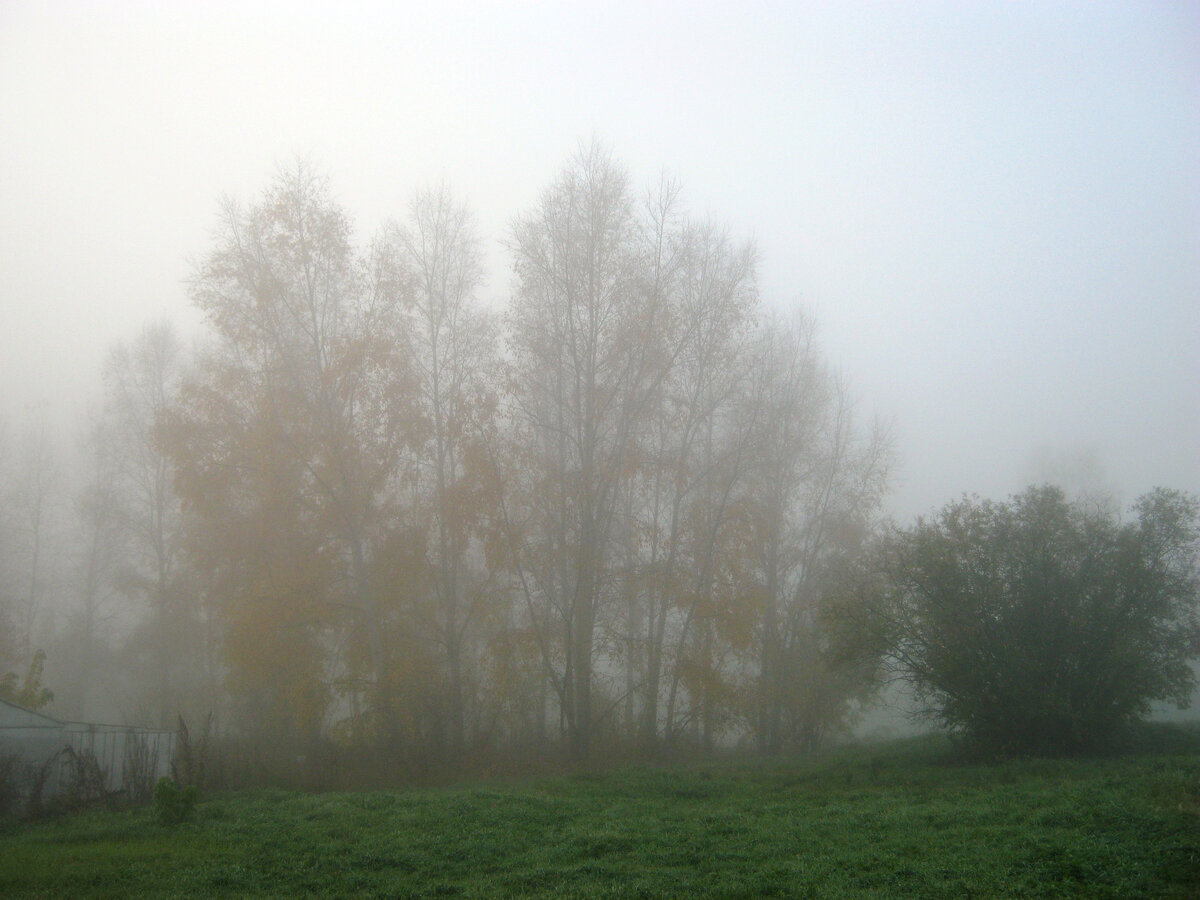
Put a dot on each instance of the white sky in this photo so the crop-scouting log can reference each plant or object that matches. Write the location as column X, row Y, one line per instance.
column 992, row 209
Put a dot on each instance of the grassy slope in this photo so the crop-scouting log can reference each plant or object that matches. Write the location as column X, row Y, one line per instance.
column 886, row 822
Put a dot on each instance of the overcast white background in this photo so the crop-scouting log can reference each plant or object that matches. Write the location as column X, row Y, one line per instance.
column 993, row 210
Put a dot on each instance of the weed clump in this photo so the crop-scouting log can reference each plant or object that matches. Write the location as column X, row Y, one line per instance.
column 174, row 804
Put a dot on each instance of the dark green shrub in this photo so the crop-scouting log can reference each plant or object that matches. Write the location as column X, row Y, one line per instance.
column 85, row 779
column 191, row 755
column 174, row 804
column 138, row 768
column 10, row 787
column 1040, row 626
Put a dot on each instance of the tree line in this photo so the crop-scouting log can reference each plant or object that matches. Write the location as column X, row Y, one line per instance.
column 368, row 510
column 368, row 515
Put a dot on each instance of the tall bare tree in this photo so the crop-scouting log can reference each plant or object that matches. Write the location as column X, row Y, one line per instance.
column 142, row 383
column 587, row 330
column 7, row 594
column 684, row 448
column 451, row 344
column 31, row 500
column 100, row 545
column 819, row 481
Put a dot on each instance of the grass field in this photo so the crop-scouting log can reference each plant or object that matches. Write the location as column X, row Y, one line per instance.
column 900, row 820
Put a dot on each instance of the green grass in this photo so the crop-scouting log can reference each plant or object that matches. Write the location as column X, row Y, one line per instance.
column 897, row 821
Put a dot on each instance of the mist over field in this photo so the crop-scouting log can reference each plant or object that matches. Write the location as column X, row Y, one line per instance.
column 391, row 386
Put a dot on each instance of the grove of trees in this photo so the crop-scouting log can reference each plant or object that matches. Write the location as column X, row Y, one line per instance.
column 369, row 520
column 366, row 512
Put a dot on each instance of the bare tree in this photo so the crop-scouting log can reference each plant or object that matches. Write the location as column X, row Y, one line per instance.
column 31, row 499
column 688, row 450
column 587, row 330
column 99, row 543
column 7, row 594
column 451, row 345
column 142, row 383
column 819, row 482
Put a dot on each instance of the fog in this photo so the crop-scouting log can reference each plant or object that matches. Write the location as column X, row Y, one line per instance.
column 987, row 215
column 992, row 212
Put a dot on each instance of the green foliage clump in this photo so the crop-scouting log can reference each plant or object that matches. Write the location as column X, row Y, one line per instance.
column 85, row 779
column 174, row 804
column 175, row 796
column 190, row 761
column 28, row 693
column 138, row 769
column 1039, row 626
column 10, row 790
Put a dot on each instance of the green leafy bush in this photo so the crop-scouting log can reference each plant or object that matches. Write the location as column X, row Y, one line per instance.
column 28, row 693
column 1039, row 626
column 85, row 779
column 174, row 804
column 138, row 768
column 10, row 788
